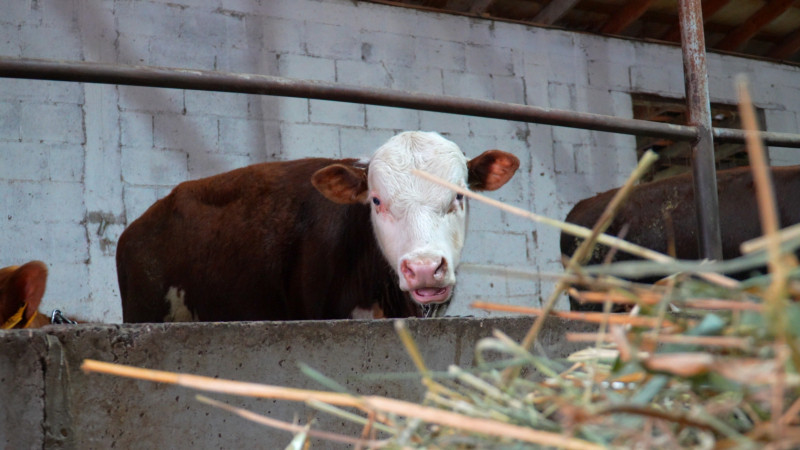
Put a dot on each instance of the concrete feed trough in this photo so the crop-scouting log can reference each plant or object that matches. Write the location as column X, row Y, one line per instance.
column 48, row 402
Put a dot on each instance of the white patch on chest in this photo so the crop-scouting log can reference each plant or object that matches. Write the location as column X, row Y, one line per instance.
column 376, row 312
column 178, row 311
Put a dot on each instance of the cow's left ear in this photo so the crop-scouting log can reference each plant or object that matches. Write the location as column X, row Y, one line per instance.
column 341, row 184
column 491, row 170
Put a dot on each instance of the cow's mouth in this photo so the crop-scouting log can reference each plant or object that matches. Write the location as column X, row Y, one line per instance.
column 432, row 295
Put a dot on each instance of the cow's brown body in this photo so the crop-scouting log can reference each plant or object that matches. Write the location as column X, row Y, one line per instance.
column 653, row 206
column 257, row 243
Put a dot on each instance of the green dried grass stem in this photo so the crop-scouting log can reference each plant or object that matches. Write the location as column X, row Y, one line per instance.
column 582, row 253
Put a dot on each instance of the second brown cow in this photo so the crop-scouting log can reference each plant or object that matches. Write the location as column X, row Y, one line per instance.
column 654, row 208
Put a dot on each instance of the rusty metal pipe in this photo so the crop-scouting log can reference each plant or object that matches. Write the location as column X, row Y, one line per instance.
column 769, row 137
column 698, row 104
column 88, row 72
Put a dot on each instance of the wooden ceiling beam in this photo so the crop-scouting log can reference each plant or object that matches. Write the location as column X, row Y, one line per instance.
column 554, row 10
column 629, row 13
column 709, row 8
column 438, row 4
column 639, row 19
column 744, row 32
column 786, row 48
column 480, row 6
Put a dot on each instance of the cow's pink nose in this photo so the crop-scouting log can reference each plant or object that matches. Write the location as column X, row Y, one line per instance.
column 424, row 272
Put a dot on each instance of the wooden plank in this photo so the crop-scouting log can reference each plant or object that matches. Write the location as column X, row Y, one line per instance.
column 744, row 32
column 481, row 6
column 786, row 48
column 629, row 13
column 554, row 11
column 436, row 4
column 709, row 8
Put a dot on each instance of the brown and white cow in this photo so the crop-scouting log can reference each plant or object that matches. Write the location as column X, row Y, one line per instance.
column 654, row 208
column 307, row 239
column 21, row 291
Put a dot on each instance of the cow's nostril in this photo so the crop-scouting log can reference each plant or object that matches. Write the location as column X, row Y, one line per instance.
column 440, row 270
column 408, row 272
column 423, row 272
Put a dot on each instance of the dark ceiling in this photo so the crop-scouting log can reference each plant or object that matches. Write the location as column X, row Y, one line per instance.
column 765, row 29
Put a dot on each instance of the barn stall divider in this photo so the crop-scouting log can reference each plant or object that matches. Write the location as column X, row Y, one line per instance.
column 49, row 403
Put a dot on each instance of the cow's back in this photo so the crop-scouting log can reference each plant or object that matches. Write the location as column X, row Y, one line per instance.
column 653, row 208
column 256, row 243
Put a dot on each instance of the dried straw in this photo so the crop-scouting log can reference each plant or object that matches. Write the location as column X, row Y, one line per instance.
column 383, row 404
column 730, row 342
column 593, row 317
column 281, row 425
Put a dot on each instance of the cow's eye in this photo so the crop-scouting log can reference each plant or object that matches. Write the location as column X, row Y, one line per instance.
column 459, row 197
column 376, row 201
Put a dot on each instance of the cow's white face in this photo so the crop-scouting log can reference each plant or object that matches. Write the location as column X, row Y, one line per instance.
column 420, row 226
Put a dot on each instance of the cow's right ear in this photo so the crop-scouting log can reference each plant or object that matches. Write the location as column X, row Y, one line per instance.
column 341, row 184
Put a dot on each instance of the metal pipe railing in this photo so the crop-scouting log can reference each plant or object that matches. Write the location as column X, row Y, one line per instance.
column 769, row 137
column 90, row 72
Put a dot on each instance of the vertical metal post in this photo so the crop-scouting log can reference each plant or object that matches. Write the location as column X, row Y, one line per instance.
column 695, row 76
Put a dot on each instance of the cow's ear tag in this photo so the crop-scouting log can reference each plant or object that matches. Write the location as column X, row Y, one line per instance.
column 491, row 170
column 341, row 184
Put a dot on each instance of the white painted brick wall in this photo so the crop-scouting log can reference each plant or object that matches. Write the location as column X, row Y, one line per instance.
column 138, row 198
column 135, row 98
column 427, row 80
column 154, row 168
column 379, row 47
column 60, row 120
column 360, row 73
column 9, row 121
column 477, row 85
column 285, row 109
column 306, row 67
column 361, row 142
column 392, row 118
column 337, row 113
column 309, row 141
column 184, row 132
column 78, row 162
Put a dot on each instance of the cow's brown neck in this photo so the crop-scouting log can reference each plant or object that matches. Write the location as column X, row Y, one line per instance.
column 298, row 255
